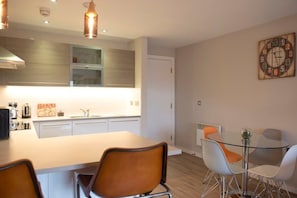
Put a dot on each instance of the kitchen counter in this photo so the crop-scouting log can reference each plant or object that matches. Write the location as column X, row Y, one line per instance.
column 56, row 159
column 67, row 152
column 80, row 117
column 64, row 153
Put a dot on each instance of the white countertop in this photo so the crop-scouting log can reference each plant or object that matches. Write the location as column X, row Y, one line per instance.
column 79, row 117
column 68, row 152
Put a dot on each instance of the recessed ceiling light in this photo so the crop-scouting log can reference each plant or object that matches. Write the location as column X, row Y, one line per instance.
column 104, row 30
column 46, row 22
column 54, row 1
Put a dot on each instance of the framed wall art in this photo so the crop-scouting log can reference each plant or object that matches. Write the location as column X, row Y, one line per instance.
column 277, row 57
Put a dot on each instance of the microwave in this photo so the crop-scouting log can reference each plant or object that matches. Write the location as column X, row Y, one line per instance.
column 90, row 75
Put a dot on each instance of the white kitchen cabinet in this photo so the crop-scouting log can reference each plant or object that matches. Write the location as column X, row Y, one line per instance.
column 44, row 184
column 87, row 126
column 55, row 128
column 36, row 127
column 57, row 184
column 125, row 124
column 61, row 184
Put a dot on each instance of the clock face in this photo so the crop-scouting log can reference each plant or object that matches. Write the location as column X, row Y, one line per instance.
column 277, row 57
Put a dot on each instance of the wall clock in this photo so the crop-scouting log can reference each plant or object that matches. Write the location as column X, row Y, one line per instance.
column 277, row 57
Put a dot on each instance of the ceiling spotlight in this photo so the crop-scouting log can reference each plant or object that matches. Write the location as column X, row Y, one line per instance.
column 3, row 13
column 91, row 21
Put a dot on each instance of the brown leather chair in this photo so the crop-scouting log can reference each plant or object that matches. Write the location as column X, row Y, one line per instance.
column 18, row 180
column 128, row 172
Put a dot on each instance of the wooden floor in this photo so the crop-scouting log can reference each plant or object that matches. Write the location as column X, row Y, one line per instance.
column 184, row 177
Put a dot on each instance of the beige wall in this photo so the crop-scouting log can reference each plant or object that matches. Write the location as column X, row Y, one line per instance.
column 222, row 73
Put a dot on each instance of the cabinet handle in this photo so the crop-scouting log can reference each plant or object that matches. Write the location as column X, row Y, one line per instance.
column 88, row 123
column 124, row 120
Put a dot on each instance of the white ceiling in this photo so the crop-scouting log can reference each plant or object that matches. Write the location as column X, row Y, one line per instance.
column 167, row 23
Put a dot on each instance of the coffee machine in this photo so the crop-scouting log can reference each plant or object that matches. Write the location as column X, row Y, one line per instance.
column 4, row 123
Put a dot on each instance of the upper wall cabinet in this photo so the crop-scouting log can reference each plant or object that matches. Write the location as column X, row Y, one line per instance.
column 119, row 68
column 86, row 67
column 47, row 63
column 58, row 64
column 106, row 68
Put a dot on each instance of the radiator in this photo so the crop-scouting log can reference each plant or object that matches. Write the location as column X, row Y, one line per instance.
column 199, row 131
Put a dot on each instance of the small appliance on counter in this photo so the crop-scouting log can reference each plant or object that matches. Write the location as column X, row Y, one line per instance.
column 26, row 111
column 13, row 110
column 4, row 123
column 19, row 125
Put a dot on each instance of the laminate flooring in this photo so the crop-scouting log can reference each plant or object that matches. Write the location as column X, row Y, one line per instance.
column 184, row 177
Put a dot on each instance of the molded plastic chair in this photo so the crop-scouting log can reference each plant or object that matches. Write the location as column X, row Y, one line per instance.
column 128, row 172
column 215, row 159
column 267, row 156
column 276, row 176
column 231, row 156
column 18, row 180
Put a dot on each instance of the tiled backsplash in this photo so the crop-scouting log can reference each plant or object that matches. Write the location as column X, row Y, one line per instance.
column 71, row 99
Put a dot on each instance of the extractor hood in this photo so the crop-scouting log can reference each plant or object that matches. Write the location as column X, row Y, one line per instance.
column 10, row 61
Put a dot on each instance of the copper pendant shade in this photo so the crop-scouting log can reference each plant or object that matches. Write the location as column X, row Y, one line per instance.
column 91, row 21
column 3, row 13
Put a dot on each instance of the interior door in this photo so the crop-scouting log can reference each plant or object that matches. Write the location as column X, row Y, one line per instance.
column 160, row 99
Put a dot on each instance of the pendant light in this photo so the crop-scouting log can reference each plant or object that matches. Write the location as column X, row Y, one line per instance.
column 3, row 13
column 91, row 21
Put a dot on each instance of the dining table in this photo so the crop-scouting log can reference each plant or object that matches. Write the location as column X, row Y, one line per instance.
column 254, row 141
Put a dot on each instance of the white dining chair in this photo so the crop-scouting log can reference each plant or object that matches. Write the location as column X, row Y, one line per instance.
column 275, row 177
column 231, row 157
column 261, row 156
column 215, row 159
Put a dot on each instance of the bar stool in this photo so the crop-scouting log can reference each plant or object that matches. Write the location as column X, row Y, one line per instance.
column 128, row 172
column 18, row 180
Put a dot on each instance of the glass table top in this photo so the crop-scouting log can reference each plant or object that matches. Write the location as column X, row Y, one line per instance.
column 255, row 141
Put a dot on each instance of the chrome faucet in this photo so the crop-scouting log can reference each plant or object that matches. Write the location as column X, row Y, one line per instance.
column 86, row 112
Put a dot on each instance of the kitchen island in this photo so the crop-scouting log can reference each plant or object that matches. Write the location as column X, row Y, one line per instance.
column 55, row 159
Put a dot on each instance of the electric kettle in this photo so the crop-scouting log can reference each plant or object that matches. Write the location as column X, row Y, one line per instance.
column 26, row 111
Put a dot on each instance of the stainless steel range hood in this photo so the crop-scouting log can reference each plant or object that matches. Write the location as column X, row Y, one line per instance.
column 10, row 61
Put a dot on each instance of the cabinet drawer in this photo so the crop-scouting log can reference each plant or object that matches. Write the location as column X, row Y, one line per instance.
column 55, row 129
column 125, row 124
column 90, row 126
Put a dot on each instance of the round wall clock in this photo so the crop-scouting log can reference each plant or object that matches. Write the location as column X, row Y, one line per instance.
column 277, row 57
